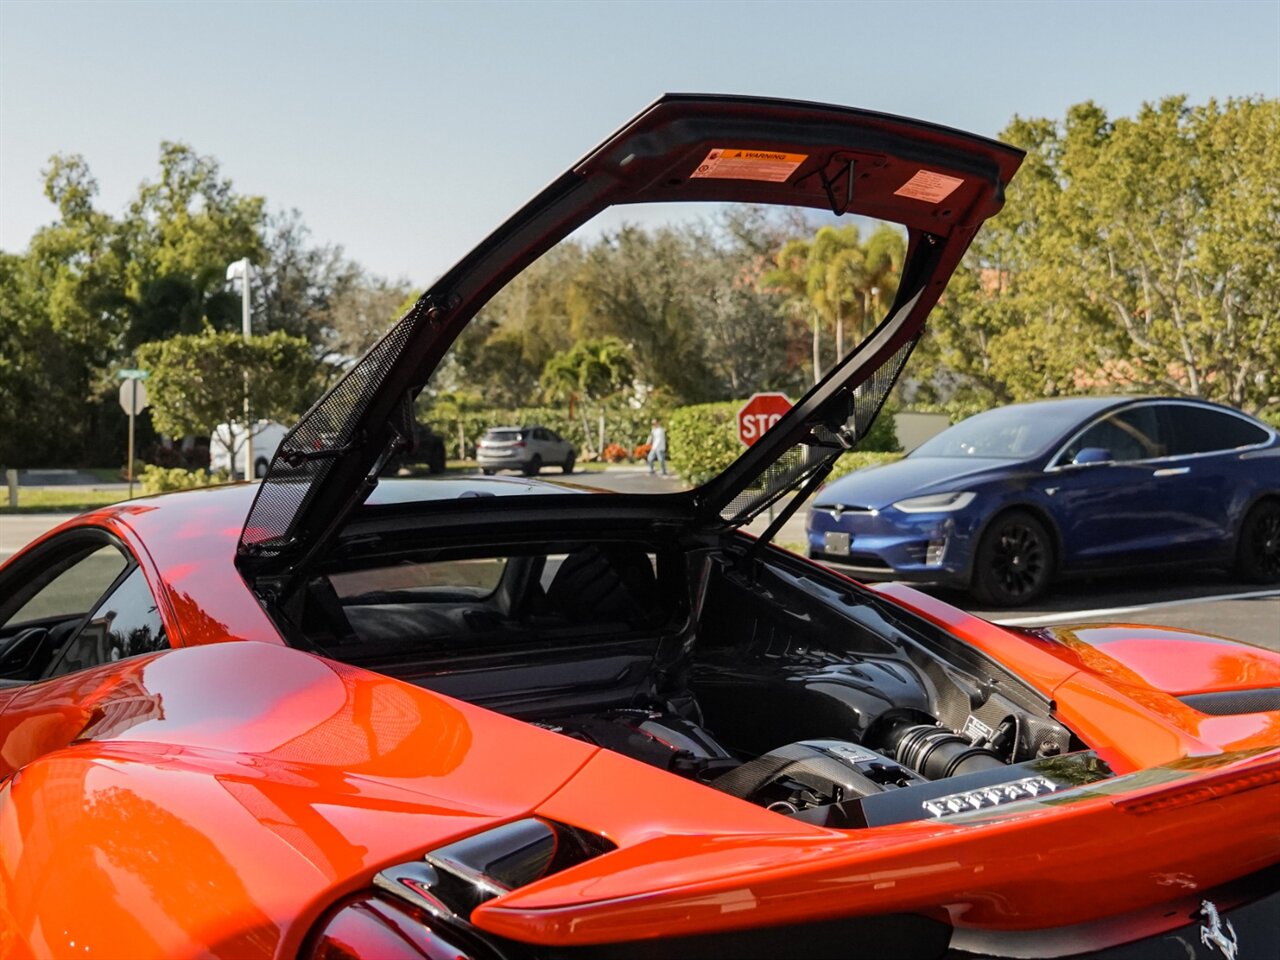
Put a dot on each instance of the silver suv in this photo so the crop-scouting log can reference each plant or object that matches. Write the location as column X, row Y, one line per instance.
column 527, row 449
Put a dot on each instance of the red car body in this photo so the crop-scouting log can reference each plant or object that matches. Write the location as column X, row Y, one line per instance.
column 237, row 796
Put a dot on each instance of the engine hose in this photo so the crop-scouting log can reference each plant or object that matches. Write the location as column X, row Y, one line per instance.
column 936, row 753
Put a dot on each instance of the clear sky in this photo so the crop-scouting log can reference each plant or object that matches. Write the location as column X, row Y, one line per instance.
column 405, row 131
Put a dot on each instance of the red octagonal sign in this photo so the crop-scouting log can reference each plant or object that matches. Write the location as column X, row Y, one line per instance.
column 760, row 413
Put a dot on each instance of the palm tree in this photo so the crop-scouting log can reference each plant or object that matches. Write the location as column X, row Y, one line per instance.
column 886, row 251
column 790, row 279
column 844, row 277
column 592, row 370
column 859, row 276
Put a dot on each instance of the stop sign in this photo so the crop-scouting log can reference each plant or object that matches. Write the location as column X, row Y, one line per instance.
column 760, row 413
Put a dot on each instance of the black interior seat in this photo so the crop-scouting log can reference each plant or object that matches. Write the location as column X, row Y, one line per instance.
column 614, row 582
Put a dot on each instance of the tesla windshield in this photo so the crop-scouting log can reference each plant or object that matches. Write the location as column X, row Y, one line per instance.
column 1006, row 433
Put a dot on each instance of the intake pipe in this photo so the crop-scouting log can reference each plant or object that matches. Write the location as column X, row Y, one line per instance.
column 936, row 753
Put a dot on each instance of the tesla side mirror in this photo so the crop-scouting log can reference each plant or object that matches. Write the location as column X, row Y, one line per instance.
column 1092, row 455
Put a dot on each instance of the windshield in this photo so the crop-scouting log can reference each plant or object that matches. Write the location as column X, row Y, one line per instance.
column 1006, row 433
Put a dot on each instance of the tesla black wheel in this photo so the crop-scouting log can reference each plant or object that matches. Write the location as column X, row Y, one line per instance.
column 568, row 464
column 1014, row 563
column 487, row 471
column 260, row 468
column 533, row 467
column 1258, row 551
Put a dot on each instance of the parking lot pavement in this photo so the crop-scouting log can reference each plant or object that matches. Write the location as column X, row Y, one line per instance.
column 1208, row 601
column 1254, row 619
column 17, row 530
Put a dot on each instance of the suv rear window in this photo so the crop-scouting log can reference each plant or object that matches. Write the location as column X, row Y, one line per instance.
column 1200, row 430
column 504, row 436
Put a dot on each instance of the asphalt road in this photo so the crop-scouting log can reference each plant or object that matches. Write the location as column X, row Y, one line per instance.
column 19, row 529
column 1204, row 600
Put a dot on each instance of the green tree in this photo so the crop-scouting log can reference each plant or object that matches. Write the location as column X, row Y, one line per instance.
column 1133, row 254
column 188, row 221
column 647, row 289
column 1176, row 217
column 594, row 371
column 886, row 253
column 65, row 309
column 92, row 288
column 501, row 354
column 686, row 298
column 834, row 278
column 198, row 381
column 788, row 279
column 835, row 273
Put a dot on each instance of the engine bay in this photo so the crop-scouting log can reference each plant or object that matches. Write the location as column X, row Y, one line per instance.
column 809, row 696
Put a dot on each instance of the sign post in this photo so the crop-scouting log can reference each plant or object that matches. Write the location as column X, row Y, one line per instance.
column 757, row 415
column 133, row 399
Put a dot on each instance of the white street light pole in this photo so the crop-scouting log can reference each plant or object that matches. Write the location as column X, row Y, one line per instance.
column 867, row 297
column 243, row 269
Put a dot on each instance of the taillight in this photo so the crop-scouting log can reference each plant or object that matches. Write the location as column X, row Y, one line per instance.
column 519, row 443
column 367, row 927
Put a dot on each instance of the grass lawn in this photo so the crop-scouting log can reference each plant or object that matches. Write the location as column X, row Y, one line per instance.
column 107, row 474
column 53, row 500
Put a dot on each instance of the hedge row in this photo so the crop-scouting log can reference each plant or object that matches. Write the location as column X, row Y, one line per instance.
column 703, row 440
column 156, row 479
column 624, row 426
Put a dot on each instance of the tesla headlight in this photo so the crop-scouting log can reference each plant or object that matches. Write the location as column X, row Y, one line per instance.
column 936, row 502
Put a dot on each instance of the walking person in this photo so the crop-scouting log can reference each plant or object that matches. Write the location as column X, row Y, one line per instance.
column 657, row 446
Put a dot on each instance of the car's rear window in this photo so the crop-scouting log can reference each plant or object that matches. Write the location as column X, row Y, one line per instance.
column 456, row 604
column 474, row 577
column 504, row 436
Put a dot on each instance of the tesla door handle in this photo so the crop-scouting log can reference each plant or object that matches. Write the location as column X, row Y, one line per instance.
column 1172, row 472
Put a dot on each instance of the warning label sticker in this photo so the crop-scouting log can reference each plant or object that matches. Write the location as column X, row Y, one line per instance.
column 770, row 165
column 929, row 186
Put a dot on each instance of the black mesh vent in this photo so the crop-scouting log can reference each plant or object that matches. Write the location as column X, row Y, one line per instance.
column 299, row 467
column 803, row 459
column 1228, row 703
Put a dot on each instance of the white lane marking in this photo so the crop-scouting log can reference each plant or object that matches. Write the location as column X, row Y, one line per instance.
column 1117, row 611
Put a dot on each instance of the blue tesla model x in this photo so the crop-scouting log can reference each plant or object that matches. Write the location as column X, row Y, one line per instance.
column 1004, row 502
